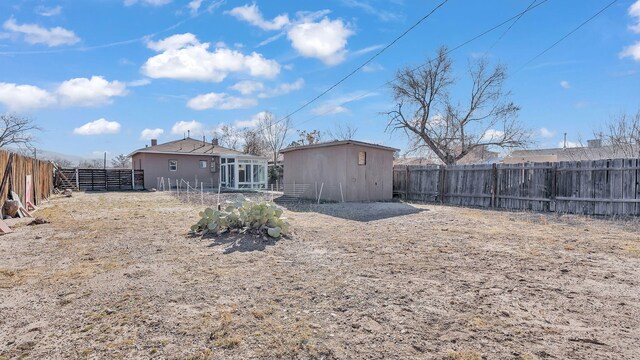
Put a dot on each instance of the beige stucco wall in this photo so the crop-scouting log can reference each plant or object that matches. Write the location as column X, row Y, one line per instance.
column 338, row 165
column 157, row 165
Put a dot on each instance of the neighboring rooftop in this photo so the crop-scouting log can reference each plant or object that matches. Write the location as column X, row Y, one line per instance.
column 337, row 143
column 593, row 152
column 188, row 146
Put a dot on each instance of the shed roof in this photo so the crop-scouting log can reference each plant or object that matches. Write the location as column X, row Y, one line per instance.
column 337, row 143
column 190, row 146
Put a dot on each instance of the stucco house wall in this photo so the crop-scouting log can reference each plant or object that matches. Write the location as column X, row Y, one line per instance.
column 157, row 165
column 337, row 165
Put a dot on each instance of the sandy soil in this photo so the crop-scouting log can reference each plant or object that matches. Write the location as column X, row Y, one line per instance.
column 114, row 275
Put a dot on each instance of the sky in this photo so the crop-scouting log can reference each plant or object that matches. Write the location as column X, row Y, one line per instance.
column 109, row 75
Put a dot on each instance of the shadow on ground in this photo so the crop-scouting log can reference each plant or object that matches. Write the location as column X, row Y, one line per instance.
column 234, row 242
column 356, row 211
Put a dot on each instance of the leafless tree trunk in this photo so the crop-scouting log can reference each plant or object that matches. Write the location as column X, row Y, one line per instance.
column 16, row 130
column 426, row 112
column 342, row 132
column 274, row 133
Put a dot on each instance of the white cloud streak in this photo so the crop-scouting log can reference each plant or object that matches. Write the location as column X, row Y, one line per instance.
column 36, row 34
column 220, row 101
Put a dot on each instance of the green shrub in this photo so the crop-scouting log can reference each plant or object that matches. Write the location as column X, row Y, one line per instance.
column 244, row 215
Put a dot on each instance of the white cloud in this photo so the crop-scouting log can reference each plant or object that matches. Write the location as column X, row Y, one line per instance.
column 48, row 11
column 140, row 82
column 181, row 127
column 325, row 40
column 373, row 10
column 24, row 97
column 336, row 105
column 173, row 42
column 98, row 127
column 220, row 101
column 194, row 6
column 328, row 109
column 148, row 134
column 570, row 144
column 252, row 122
column 634, row 11
column 147, row 2
column 35, row 34
column 565, row 84
column 546, row 133
column 183, row 57
column 492, row 134
column 632, row 51
column 373, row 67
column 247, row 87
column 89, row 92
column 252, row 15
column 283, row 89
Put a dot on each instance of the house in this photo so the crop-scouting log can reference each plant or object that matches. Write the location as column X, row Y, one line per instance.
column 339, row 170
column 198, row 161
column 593, row 151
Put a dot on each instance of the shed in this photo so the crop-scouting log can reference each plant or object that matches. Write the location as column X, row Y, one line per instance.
column 346, row 170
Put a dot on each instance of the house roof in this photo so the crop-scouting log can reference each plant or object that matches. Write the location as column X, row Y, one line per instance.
column 190, row 146
column 337, row 143
column 572, row 154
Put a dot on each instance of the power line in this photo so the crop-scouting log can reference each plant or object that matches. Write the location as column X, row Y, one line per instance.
column 568, row 34
column 516, row 17
column 366, row 62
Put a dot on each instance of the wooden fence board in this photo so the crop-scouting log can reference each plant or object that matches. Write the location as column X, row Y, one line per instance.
column 601, row 187
column 100, row 179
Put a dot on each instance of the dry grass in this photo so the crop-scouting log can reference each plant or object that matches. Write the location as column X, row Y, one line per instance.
column 115, row 276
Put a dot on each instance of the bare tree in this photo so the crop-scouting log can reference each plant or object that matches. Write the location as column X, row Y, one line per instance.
column 274, row 133
column 622, row 132
column 229, row 136
column 91, row 164
column 121, row 162
column 253, row 143
column 426, row 113
column 16, row 130
column 342, row 132
column 63, row 163
column 309, row 137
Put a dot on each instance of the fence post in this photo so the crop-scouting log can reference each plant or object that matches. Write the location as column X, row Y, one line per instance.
column 319, row 196
column 133, row 179
column 494, row 187
column 201, row 194
column 77, row 179
column 554, row 190
column 442, row 187
column 341, row 194
column 406, row 184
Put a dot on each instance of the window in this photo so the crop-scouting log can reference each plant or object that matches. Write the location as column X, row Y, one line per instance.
column 203, row 164
column 173, row 165
column 362, row 158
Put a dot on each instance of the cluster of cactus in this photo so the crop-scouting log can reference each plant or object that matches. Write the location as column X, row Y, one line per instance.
column 245, row 216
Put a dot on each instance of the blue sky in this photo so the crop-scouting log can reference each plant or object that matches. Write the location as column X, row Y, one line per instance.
column 107, row 75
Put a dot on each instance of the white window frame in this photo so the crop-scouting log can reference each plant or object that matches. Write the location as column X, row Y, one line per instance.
column 206, row 165
column 176, row 165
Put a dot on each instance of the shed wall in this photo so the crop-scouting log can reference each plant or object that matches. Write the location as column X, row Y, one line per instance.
column 338, row 165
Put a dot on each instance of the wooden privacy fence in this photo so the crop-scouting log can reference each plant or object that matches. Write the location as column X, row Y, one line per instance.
column 16, row 168
column 100, row 179
column 600, row 187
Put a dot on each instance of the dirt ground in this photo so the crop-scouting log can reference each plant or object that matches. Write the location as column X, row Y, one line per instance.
column 114, row 275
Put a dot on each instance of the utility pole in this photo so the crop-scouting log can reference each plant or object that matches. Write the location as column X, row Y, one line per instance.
column 105, row 160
